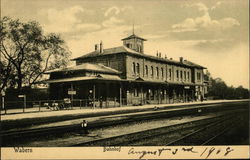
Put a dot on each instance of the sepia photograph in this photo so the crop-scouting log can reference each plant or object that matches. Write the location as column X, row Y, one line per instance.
column 124, row 79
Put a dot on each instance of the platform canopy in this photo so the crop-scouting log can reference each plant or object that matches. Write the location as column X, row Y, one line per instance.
column 72, row 79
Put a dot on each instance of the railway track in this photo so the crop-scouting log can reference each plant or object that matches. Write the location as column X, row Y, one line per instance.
column 202, row 136
column 142, row 137
column 126, row 139
column 12, row 135
column 102, row 122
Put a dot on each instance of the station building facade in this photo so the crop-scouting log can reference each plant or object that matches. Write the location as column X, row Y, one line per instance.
column 127, row 75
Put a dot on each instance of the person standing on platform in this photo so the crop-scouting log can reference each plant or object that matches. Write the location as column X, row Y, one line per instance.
column 84, row 126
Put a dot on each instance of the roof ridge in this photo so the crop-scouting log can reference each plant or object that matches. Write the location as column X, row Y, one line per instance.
column 122, row 48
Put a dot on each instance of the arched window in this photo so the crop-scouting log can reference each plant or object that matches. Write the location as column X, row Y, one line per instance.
column 185, row 76
column 166, row 74
column 133, row 67
column 152, row 71
column 177, row 74
column 157, row 72
column 138, row 68
column 170, row 74
column 162, row 73
column 146, row 70
column 181, row 75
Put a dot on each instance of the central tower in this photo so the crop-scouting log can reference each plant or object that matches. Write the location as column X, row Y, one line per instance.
column 134, row 42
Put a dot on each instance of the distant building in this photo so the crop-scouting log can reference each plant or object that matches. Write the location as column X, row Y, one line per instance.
column 128, row 76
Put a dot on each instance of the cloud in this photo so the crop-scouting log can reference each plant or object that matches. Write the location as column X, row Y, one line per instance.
column 216, row 5
column 67, row 20
column 154, row 36
column 110, row 37
column 111, row 10
column 114, row 10
column 229, row 22
column 88, row 27
column 114, row 16
column 214, row 46
column 112, row 21
column 201, row 7
column 204, row 22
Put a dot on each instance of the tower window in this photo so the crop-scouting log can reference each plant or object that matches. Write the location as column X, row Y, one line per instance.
column 139, row 48
column 128, row 45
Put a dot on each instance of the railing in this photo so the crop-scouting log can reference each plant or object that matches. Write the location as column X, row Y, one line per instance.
column 11, row 107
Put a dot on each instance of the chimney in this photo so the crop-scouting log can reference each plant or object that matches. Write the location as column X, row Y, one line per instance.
column 181, row 59
column 96, row 47
column 165, row 56
column 101, row 47
column 157, row 54
column 160, row 54
column 171, row 58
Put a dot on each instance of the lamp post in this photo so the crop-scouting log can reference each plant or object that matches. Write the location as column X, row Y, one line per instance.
column 3, row 94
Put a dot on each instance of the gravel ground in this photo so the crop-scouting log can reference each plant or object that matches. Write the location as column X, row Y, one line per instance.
column 74, row 138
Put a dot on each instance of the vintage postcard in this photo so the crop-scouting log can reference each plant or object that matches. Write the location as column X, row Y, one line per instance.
column 124, row 79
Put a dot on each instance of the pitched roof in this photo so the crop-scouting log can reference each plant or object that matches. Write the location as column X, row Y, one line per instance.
column 124, row 49
column 87, row 66
column 120, row 49
column 134, row 36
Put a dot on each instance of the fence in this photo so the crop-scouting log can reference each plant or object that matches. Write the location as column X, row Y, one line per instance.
column 11, row 107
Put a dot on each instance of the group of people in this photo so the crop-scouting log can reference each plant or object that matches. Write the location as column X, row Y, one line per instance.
column 66, row 104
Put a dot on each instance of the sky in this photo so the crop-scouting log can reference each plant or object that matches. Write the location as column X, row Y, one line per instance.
column 212, row 33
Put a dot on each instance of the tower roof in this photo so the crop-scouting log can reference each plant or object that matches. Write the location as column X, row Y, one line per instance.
column 133, row 36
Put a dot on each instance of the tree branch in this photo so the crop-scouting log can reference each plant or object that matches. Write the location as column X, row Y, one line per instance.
column 45, row 68
column 7, row 55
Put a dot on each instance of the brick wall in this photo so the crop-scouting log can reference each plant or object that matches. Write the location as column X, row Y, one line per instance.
column 124, row 64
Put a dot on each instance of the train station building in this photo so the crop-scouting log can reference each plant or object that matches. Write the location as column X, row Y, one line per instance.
column 126, row 75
